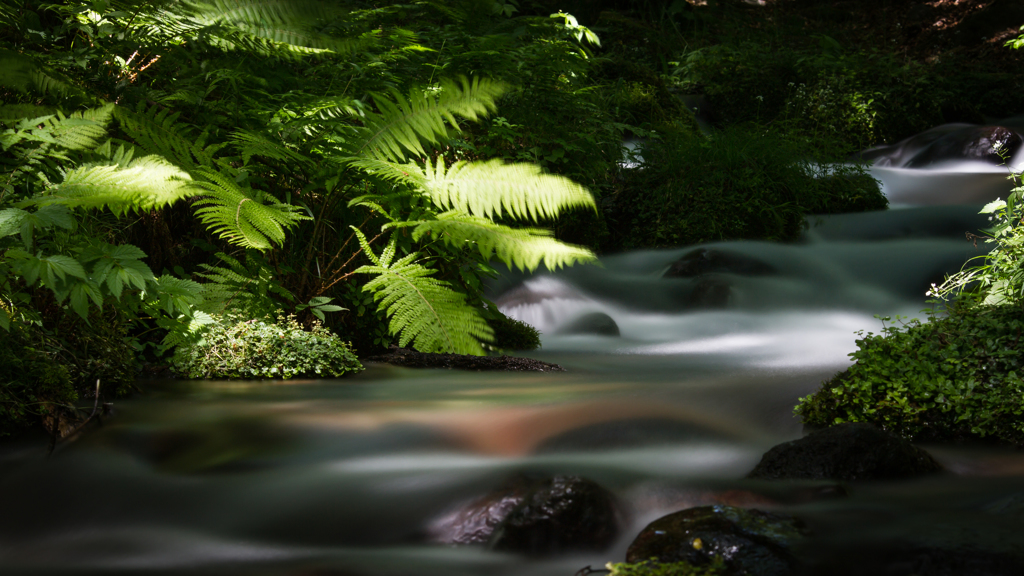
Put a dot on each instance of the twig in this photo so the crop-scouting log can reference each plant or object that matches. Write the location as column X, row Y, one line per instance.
column 56, row 427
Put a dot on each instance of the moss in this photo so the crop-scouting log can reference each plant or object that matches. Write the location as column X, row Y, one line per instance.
column 653, row 568
column 947, row 379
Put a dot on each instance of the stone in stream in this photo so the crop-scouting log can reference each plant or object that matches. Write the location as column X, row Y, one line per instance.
column 593, row 323
column 980, row 144
column 713, row 260
column 535, row 516
column 749, row 542
column 851, row 451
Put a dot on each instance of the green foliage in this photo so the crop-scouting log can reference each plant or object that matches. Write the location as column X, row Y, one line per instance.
column 512, row 334
column 653, row 568
column 736, row 184
column 253, row 349
column 44, row 372
column 945, row 379
column 424, row 311
column 848, row 97
column 999, row 278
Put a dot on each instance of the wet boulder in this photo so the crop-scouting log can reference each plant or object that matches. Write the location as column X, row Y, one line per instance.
column 980, row 144
column 749, row 542
column 851, row 451
column 593, row 323
column 558, row 515
column 713, row 260
column 535, row 515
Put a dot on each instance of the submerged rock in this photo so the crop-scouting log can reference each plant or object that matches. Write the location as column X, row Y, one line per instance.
column 712, row 260
column 592, row 323
column 852, row 451
column 535, row 515
column 750, row 542
column 560, row 514
column 408, row 358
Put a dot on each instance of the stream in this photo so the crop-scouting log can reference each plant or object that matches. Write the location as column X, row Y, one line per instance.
column 674, row 389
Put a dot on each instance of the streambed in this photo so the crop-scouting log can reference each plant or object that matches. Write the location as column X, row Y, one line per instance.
column 351, row 476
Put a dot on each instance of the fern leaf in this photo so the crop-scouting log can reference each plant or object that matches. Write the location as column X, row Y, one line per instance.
column 289, row 26
column 146, row 183
column 158, row 131
column 423, row 310
column 251, row 144
column 241, row 217
column 397, row 130
column 524, row 248
column 493, row 188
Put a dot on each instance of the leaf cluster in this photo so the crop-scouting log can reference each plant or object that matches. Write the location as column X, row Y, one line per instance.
column 947, row 379
column 259, row 349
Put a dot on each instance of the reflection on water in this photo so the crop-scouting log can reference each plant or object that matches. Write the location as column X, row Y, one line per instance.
column 346, row 476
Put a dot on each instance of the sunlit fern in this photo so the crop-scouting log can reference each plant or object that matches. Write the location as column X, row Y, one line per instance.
column 423, row 310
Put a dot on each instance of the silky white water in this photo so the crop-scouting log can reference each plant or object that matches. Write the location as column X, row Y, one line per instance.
column 349, row 476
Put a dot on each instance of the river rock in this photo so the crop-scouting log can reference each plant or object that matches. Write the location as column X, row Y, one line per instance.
column 713, row 260
column 978, row 144
column 851, row 451
column 534, row 515
column 750, row 542
column 558, row 515
column 593, row 323
column 409, row 358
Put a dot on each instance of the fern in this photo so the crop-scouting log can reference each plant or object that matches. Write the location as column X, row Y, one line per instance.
column 158, row 131
column 401, row 126
column 251, row 144
column 144, row 184
column 523, row 248
column 262, row 26
column 246, row 287
column 423, row 311
column 493, row 188
column 240, row 216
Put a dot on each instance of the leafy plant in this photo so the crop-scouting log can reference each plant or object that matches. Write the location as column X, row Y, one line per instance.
column 740, row 183
column 236, row 348
column 950, row 378
column 999, row 278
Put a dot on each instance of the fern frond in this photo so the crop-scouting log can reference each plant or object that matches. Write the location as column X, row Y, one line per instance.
column 390, row 172
column 524, row 248
column 240, row 216
column 423, row 310
column 24, row 74
column 493, row 188
column 251, row 144
column 158, row 131
column 287, row 25
column 402, row 123
column 144, row 184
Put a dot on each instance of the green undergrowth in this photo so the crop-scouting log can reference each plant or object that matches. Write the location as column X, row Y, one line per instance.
column 652, row 568
column 256, row 349
column 946, row 379
column 512, row 334
column 742, row 183
column 45, row 374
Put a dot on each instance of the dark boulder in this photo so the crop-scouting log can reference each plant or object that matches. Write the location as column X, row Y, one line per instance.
column 593, row 323
column 535, row 515
column 978, row 144
column 749, row 542
column 852, row 451
column 712, row 260
column 558, row 515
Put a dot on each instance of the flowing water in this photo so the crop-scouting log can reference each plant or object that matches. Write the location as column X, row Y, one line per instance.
column 674, row 388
